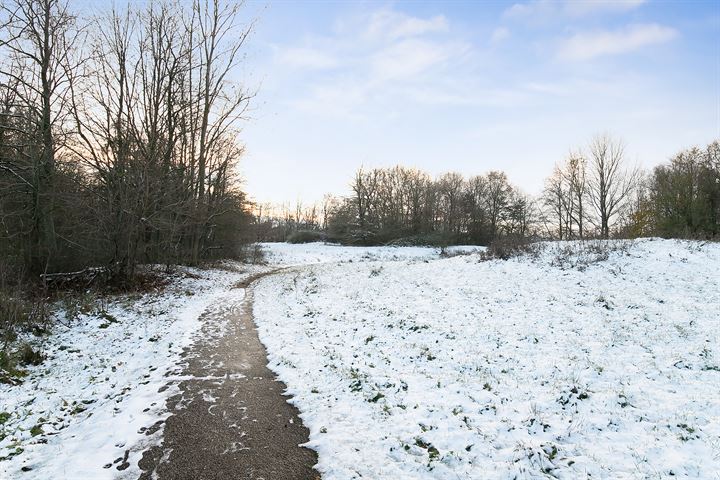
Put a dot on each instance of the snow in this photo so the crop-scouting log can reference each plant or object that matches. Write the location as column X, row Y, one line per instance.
column 593, row 360
column 284, row 254
column 573, row 362
column 97, row 393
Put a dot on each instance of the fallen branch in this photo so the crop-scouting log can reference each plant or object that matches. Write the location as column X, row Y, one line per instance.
column 86, row 276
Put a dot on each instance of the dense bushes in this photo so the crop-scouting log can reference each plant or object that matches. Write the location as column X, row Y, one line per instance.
column 306, row 236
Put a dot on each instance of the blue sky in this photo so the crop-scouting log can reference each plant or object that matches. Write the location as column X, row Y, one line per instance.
column 471, row 86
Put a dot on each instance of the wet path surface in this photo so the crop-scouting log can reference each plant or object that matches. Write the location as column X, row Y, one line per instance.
column 230, row 419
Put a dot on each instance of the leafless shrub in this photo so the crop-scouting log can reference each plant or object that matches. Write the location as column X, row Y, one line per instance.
column 306, row 236
column 29, row 355
column 19, row 313
column 580, row 255
column 445, row 253
column 9, row 372
column 510, row 247
column 253, row 254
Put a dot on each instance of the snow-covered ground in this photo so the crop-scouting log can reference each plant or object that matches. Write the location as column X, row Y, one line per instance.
column 309, row 253
column 406, row 365
column 96, row 394
column 559, row 365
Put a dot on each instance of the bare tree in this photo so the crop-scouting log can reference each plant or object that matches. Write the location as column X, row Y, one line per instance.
column 576, row 178
column 498, row 193
column 450, row 187
column 554, row 198
column 565, row 196
column 610, row 181
column 215, row 30
column 39, row 38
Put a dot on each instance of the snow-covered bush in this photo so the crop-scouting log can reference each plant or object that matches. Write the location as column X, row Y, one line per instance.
column 508, row 247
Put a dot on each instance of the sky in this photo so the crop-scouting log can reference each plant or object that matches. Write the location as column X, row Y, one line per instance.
column 471, row 86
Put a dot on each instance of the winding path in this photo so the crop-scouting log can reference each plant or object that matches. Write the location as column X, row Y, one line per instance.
column 230, row 419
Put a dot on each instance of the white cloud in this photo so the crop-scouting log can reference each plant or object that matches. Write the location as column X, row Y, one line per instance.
column 580, row 8
column 391, row 25
column 585, row 46
column 411, row 57
column 528, row 9
column 499, row 34
column 454, row 95
column 305, row 58
column 373, row 59
column 574, row 8
column 339, row 100
column 397, row 70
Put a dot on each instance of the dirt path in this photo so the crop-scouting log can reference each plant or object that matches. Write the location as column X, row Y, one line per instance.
column 230, row 419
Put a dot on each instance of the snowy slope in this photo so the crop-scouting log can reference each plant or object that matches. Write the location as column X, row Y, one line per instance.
column 97, row 393
column 552, row 366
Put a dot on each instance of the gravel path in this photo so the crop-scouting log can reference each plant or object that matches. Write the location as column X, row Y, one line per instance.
column 230, row 419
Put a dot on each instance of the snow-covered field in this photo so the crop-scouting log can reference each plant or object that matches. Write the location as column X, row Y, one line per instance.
column 96, row 394
column 406, row 365
column 309, row 253
column 560, row 365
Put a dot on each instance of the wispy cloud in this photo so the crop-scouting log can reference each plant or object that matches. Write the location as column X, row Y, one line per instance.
column 392, row 25
column 589, row 45
column 305, row 58
column 411, row 57
column 590, row 7
column 371, row 59
column 573, row 8
column 499, row 34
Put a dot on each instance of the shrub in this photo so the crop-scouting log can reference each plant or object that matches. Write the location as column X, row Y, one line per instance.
column 306, row 236
column 582, row 254
column 360, row 237
column 253, row 253
column 431, row 239
column 30, row 356
column 9, row 373
column 256, row 255
column 19, row 313
column 508, row 247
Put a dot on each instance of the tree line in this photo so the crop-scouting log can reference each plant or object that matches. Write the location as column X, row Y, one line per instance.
column 682, row 198
column 402, row 203
column 119, row 135
column 594, row 193
column 597, row 193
